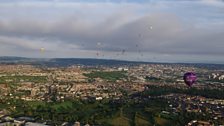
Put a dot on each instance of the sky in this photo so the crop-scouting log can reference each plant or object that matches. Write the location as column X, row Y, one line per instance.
column 137, row 30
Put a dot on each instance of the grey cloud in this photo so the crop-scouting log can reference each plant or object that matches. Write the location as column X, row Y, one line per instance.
column 74, row 34
column 168, row 34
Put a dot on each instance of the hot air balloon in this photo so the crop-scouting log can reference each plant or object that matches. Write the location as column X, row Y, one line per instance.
column 42, row 49
column 190, row 78
column 98, row 44
column 123, row 51
column 97, row 54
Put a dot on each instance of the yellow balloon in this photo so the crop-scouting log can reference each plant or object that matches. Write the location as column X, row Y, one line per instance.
column 42, row 49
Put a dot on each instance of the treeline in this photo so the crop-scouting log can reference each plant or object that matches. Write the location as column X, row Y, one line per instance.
column 109, row 76
column 208, row 93
column 102, row 112
column 68, row 111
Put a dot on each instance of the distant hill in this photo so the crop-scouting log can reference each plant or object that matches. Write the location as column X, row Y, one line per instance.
column 11, row 59
column 90, row 62
column 64, row 62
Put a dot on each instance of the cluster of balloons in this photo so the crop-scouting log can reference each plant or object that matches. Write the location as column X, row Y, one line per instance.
column 189, row 78
column 123, row 51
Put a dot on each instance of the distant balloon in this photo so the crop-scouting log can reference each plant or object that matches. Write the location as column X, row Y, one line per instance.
column 98, row 44
column 42, row 49
column 190, row 78
column 123, row 51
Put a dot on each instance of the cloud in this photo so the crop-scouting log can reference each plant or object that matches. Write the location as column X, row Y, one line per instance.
column 73, row 30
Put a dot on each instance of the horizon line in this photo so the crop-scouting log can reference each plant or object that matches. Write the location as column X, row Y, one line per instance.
column 156, row 62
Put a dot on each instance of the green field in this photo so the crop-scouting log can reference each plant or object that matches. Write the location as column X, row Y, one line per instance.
column 142, row 121
column 103, row 112
column 109, row 76
column 120, row 121
column 163, row 122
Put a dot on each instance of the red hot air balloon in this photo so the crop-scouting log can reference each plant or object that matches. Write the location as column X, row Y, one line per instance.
column 190, row 78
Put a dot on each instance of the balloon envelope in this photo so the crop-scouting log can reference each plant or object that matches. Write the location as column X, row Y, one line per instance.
column 190, row 78
column 42, row 49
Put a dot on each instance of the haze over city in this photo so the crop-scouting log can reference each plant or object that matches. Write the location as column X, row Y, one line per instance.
column 152, row 30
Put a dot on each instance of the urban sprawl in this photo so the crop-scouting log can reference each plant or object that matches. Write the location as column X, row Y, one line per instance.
column 25, row 90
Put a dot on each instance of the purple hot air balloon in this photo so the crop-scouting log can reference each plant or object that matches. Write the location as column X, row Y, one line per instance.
column 190, row 78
